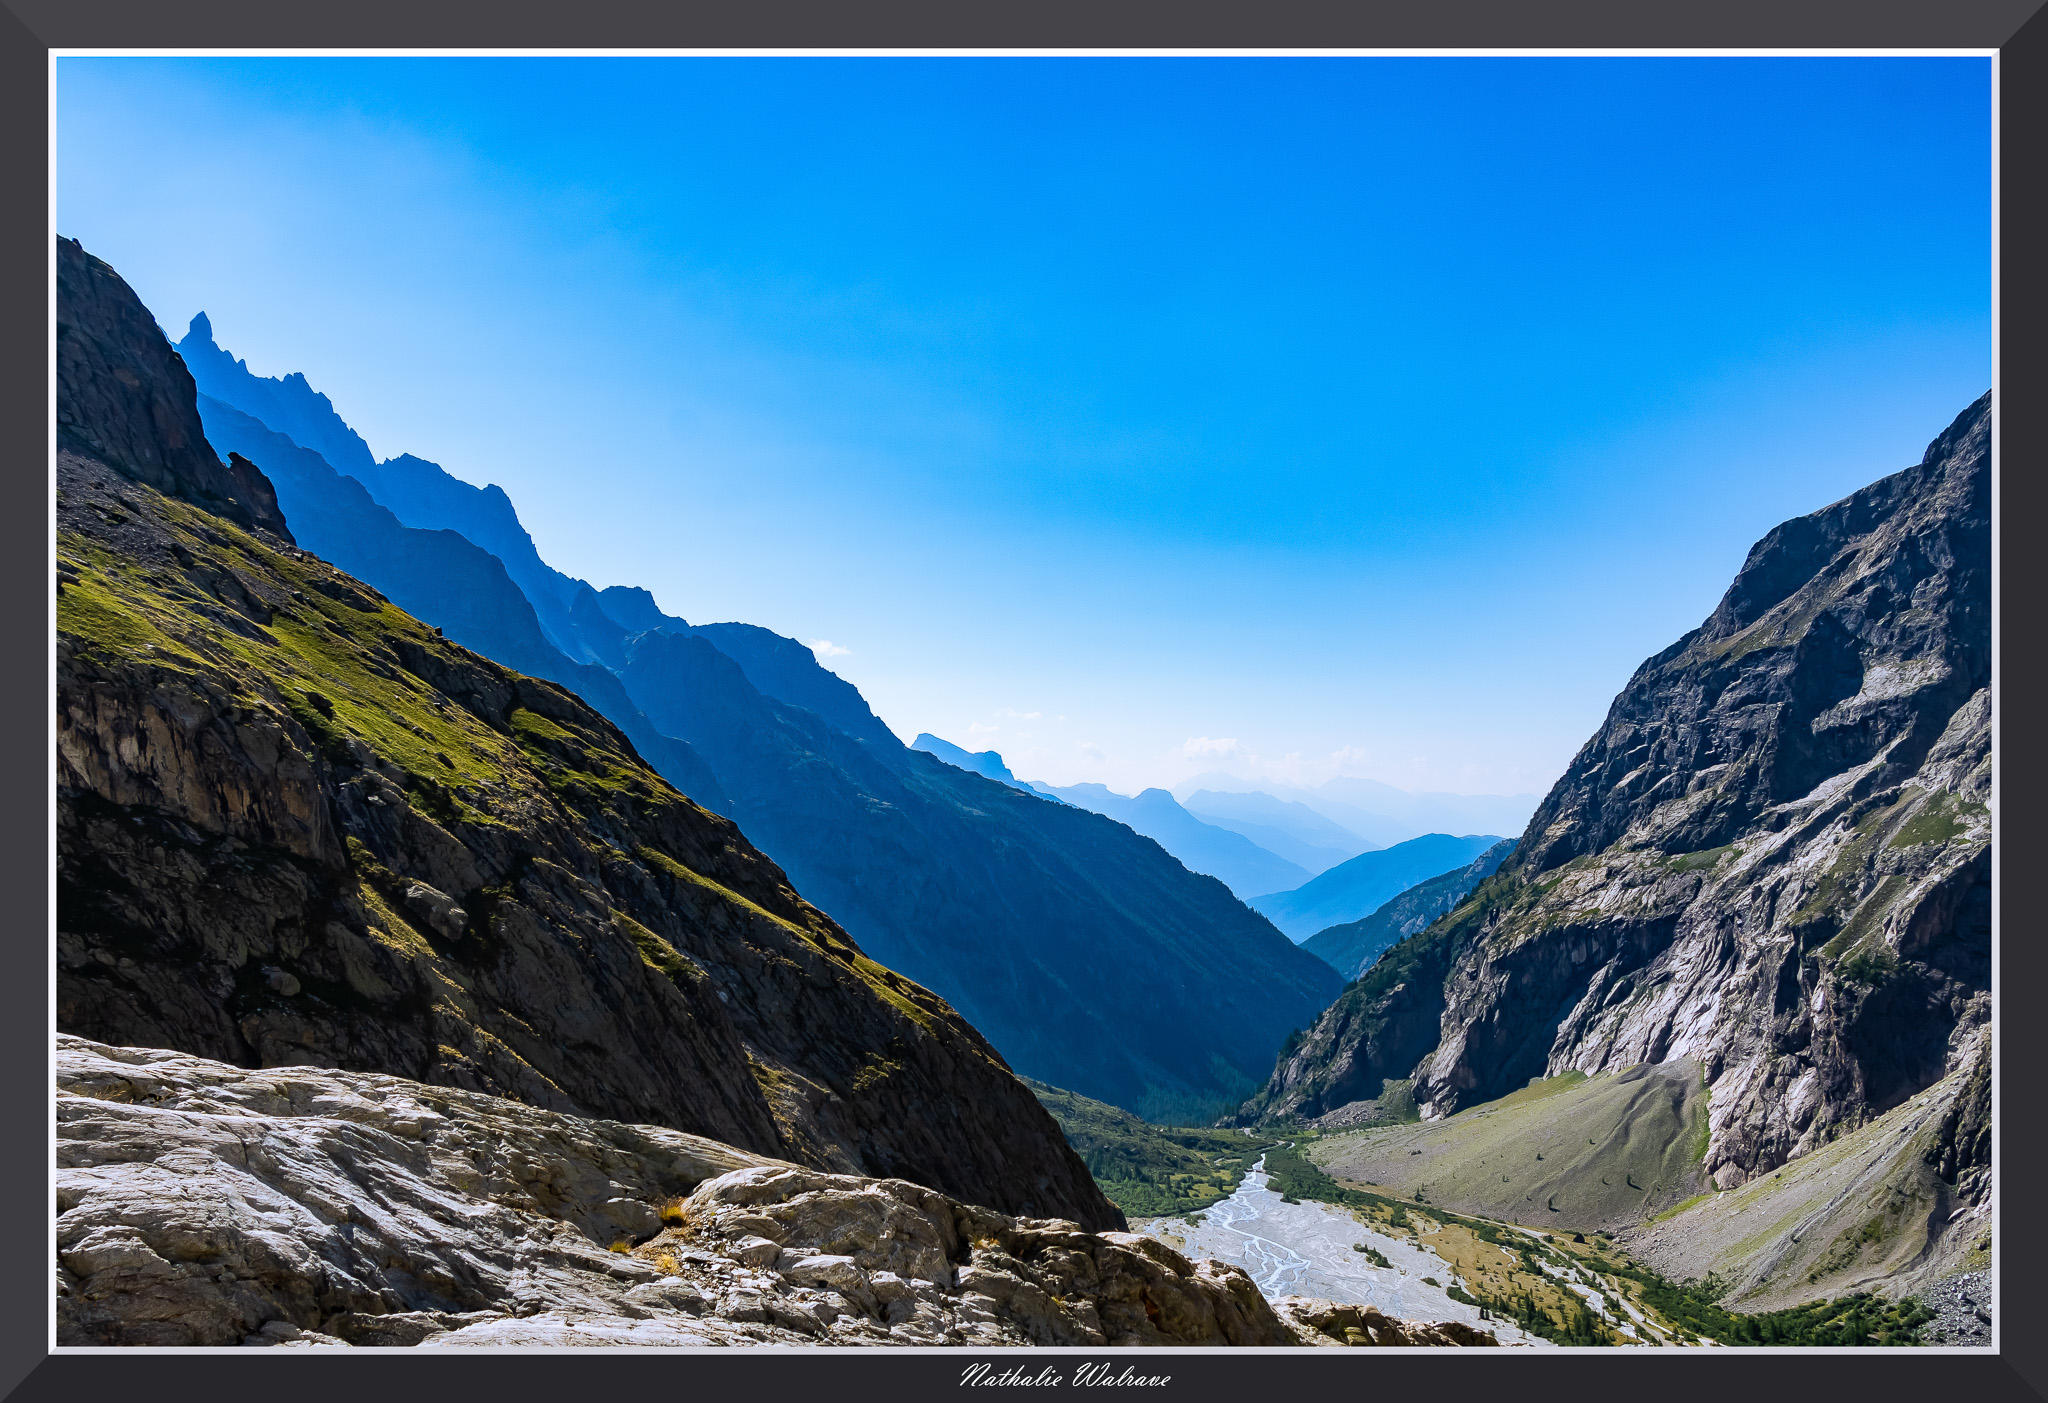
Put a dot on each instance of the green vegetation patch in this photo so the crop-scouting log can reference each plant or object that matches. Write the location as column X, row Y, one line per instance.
column 658, row 954
column 1694, row 862
column 1866, row 919
column 1150, row 1170
column 1861, row 1319
column 1944, row 817
column 326, row 661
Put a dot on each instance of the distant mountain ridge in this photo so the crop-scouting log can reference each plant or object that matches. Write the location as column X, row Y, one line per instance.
column 1352, row 947
column 986, row 763
column 1231, row 858
column 1082, row 950
column 1353, row 890
column 419, row 492
column 1285, row 827
column 1377, row 814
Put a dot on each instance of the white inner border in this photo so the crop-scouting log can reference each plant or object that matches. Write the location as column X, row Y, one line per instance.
column 1997, row 1313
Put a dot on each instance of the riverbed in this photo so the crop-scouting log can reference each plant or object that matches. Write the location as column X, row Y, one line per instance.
column 1305, row 1249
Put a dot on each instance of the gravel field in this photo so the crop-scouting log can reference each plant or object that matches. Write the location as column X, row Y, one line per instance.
column 1962, row 1310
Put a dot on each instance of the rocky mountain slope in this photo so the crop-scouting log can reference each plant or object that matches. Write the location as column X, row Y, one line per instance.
column 1351, row 948
column 1083, row 951
column 1896, row 1205
column 1773, row 859
column 1355, row 889
column 206, row 1204
column 296, row 825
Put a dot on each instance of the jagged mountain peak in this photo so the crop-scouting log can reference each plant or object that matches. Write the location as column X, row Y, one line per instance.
column 125, row 399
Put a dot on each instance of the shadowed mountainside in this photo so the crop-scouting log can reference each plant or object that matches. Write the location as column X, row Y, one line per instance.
column 297, row 825
column 1095, row 957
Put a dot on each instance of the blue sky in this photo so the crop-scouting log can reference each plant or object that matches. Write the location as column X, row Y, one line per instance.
column 1136, row 417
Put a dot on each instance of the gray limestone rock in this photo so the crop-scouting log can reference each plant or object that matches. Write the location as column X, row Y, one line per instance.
column 300, row 1207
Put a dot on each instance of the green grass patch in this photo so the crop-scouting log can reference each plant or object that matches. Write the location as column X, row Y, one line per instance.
column 1677, row 1208
column 1941, row 819
column 1708, row 857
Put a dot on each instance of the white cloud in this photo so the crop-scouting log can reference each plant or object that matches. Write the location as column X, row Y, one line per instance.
column 1209, row 747
column 975, row 728
column 826, row 648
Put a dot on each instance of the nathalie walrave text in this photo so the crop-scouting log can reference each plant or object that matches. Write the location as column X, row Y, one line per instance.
column 1084, row 1376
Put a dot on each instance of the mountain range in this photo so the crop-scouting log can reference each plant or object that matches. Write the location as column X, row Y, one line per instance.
column 1286, row 827
column 1231, row 858
column 1376, row 815
column 1085, row 952
column 297, row 825
column 420, row 930
column 1352, row 947
column 1355, row 889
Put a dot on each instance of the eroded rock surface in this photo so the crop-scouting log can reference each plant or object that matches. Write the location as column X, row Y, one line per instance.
column 205, row 1204
column 1322, row 1322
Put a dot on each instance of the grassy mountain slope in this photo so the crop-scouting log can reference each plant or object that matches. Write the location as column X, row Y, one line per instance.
column 1568, row 1153
column 442, row 577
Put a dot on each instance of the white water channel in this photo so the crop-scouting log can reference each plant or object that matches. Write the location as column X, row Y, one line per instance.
column 1305, row 1249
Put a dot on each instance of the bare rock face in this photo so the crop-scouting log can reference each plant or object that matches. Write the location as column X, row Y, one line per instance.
column 1773, row 859
column 200, row 1203
column 125, row 398
column 204, row 1204
column 296, row 826
column 930, row 1269
column 1321, row 1322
